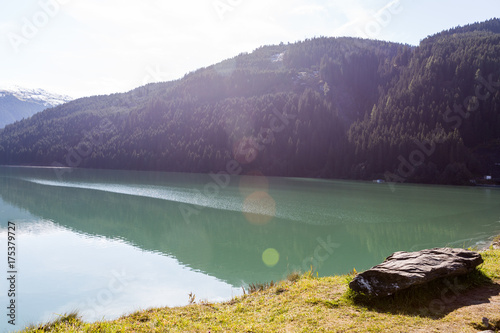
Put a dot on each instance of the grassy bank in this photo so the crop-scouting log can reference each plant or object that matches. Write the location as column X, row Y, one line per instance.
column 304, row 303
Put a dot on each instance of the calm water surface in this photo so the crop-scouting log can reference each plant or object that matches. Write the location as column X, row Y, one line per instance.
column 107, row 243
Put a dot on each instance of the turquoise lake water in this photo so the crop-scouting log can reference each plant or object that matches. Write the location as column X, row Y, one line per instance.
column 107, row 243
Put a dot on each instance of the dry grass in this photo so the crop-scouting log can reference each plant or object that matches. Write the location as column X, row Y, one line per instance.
column 308, row 304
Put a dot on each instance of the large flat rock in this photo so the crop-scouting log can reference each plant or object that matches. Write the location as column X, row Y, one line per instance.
column 402, row 270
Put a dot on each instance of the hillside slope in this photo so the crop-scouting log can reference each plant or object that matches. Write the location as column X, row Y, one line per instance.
column 325, row 107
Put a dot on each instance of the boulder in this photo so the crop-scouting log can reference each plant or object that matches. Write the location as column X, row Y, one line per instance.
column 402, row 270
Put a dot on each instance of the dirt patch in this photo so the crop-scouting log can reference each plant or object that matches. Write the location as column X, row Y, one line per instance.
column 467, row 310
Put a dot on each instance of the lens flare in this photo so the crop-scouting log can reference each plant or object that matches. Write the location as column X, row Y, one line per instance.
column 259, row 208
column 245, row 151
column 270, row 257
column 253, row 181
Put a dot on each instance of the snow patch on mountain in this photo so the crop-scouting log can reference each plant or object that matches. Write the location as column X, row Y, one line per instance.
column 278, row 57
column 37, row 96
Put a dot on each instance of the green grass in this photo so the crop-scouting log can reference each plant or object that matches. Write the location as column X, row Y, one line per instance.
column 484, row 325
column 305, row 303
column 491, row 266
column 66, row 320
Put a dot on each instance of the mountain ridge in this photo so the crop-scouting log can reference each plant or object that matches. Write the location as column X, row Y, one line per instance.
column 354, row 108
column 17, row 103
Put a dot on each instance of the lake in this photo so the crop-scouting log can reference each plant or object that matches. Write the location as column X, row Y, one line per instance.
column 107, row 243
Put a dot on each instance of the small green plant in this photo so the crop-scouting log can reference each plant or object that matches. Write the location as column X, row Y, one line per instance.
column 254, row 287
column 310, row 273
column 293, row 277
column 192, row 298
column 350, row 276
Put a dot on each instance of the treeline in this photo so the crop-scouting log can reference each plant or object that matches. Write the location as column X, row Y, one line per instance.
column 324, row 107
column 448, row 96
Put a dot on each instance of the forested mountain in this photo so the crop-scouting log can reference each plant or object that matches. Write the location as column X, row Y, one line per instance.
column 324, row 107
column 17, row 103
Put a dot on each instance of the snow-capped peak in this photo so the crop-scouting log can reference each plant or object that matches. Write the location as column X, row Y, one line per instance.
column 38, row 96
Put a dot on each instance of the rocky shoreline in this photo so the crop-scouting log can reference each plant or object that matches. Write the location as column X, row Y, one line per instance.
column 496, row 243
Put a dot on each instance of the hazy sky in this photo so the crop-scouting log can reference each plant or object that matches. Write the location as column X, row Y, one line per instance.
column 89, row 47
